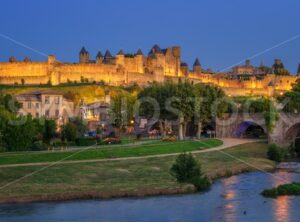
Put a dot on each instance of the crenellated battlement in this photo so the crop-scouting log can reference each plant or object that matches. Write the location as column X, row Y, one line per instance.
column 158, row 65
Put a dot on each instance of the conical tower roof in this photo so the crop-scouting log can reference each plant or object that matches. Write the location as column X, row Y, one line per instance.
column 108, row 54
column 99, row 55
column 83, row 51
column 197, row 62
column 120, row 52
column 155, row 49
column 139, row 52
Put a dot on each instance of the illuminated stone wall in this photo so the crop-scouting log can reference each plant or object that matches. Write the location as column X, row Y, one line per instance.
column 140, row 69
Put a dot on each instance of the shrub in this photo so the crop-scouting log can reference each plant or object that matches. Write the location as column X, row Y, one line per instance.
column 69, row 132
column 39, row 146
column 2, row 149
column 275, row 153
column 201, row 183
column 285, row 189
column 186, row 169
column 86, row 141
column 169, row 139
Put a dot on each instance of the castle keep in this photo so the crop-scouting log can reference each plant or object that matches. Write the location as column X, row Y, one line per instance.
column 124, row 69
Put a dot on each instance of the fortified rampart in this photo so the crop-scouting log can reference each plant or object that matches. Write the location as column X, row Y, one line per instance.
column 124, row 69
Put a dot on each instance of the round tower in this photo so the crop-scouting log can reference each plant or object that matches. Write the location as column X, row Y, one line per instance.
column 197, row 67
column 108, row 58
column 99, row 58
column 51, row 59
column 120, row 58
column 84, row 56
column 139, row 57
column 176, row 50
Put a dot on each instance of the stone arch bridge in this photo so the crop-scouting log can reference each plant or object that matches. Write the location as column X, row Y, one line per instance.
column 286, row 129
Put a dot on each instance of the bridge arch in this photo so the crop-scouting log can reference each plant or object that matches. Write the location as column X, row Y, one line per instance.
column 249, row 129
column 291, row 134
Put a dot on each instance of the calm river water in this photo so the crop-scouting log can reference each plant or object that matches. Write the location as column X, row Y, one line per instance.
column 233, row 199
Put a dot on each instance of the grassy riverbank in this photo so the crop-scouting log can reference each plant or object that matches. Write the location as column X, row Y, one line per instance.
column 104, row 152
column 139, row 177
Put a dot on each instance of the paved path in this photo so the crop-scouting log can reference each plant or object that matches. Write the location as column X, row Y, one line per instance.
column 227, row 143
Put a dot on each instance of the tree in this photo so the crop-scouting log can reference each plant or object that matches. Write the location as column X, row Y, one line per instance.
column 265, row 106
column 175, row 102
column 49, row 130
column 184, row 95
column 291, row 98
column 265, row 69
column 69, row 132
column 81, row 125
column 208, row 96
column 186, row 169
column 20, row 135
column 9, row 103
column 121, row 111
column 160, row 93
column 279, row 69
column 282, row 72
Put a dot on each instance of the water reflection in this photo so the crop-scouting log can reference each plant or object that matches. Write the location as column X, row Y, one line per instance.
column 232, row 199
column 230, row 196
column 282, row 209
column 281, row 205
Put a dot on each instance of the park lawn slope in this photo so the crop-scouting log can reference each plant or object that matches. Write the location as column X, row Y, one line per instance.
column 122, row 178
column 155, row 148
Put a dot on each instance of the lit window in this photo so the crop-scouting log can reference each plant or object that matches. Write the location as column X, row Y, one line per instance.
column 57, row 100
column 47, row 100
column 57, row 113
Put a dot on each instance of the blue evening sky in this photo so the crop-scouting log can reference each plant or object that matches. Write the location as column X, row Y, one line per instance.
column 219, row 32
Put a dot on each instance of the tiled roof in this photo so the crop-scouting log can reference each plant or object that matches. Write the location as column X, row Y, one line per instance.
column 40, row 92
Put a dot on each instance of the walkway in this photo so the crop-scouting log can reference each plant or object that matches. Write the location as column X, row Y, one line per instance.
column 227, row 143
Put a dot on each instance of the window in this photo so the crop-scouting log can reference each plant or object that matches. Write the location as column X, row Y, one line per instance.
column 56, row 100
column 47, row 100
column 103, row 117
column 37, row 115
column 21, row 105
column 57, row 113
column 37, row 105
column 29, row 105
column 47, row 113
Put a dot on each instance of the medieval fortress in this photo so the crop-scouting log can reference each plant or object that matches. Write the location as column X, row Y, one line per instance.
column 124, row 69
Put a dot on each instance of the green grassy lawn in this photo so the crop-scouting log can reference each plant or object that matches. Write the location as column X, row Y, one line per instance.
column 153, row 148
column 129, row 176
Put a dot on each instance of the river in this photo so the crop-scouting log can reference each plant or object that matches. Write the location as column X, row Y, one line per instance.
column 232, row 199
